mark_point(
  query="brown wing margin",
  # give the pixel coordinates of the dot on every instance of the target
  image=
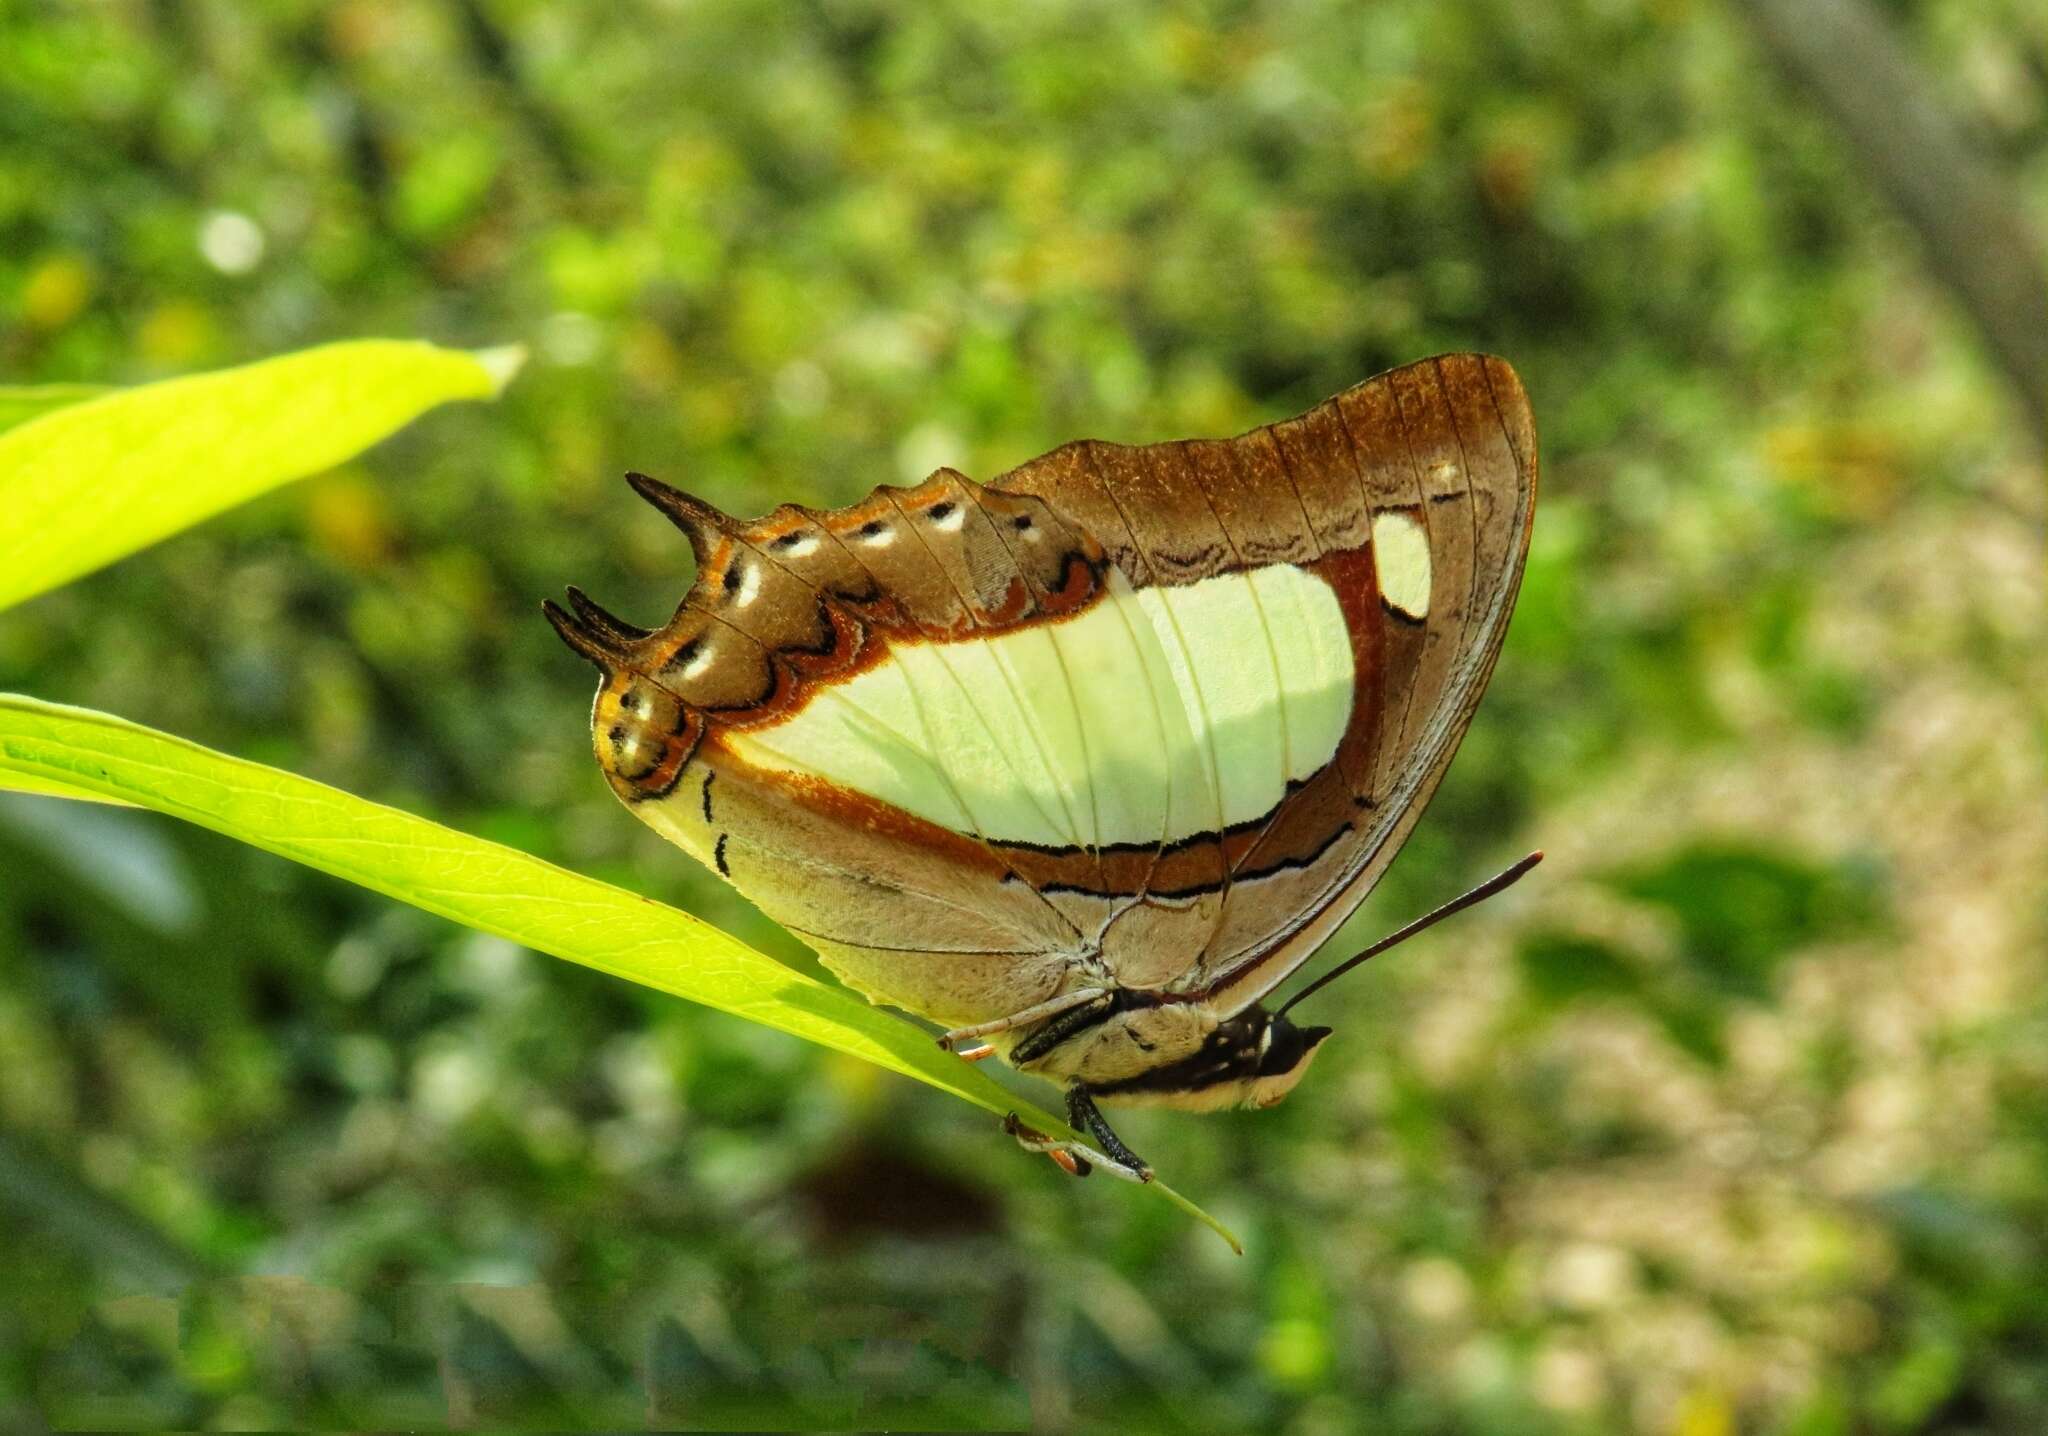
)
(1455, 414)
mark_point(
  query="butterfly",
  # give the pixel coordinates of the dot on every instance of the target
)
(1081, 763)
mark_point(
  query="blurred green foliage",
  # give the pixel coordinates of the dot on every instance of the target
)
(1731, 1118)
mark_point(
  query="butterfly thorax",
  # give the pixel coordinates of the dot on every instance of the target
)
(1146, 1048)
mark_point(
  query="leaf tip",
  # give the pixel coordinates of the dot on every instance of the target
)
(1199, 1215)
(501, 364)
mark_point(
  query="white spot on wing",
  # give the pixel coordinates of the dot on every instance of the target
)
(1400, 550)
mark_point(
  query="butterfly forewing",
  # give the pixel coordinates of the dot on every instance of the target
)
(1152, 716)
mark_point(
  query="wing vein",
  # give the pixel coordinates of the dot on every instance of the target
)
(1092, 841)
(936, 755)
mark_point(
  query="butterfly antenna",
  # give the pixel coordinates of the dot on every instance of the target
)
(1500, 882)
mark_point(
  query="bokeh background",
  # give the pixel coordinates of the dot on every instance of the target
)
(1734, 1117)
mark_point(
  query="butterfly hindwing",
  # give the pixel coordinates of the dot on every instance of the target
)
(1158, 714)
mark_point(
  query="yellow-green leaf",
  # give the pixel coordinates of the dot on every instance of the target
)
(21, 402)
(86, 482)
(52, 788)
(482, 884)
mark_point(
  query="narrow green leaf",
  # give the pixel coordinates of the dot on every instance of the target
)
(21, 402)
(482, 884)
(44, 787)
(88, 482)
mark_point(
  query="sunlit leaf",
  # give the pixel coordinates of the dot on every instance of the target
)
(87, 482)
(21, 402)
(50, 788)
(482, 884)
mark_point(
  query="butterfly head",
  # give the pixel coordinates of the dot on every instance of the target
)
(1284, 1054)
(1251, 1060)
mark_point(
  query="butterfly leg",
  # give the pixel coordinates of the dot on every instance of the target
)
(1077, 1157)
(1051, 1007)
(1082, 1113)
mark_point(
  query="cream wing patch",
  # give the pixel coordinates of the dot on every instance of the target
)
(1312, 649)
(1401, 550)
(1152, 716)
(1239, 630)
